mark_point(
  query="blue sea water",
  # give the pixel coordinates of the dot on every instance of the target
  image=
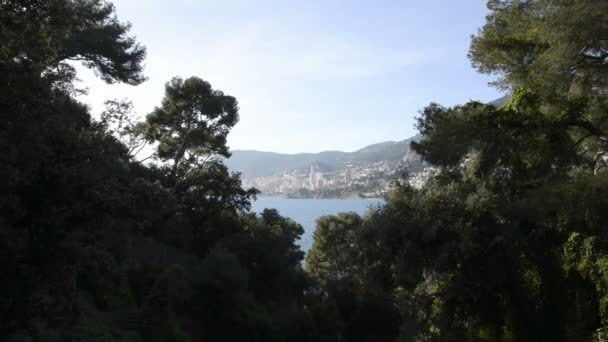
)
(306, 211)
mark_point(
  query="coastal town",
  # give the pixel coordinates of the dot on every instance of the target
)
(352, 180)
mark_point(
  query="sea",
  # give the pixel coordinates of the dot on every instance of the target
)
(306, 211)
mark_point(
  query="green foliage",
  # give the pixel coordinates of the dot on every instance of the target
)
(507, 243)
(98, 245)
(332, 255)
(554, 46)
(192, 122)
(557, 50)
(39, 36)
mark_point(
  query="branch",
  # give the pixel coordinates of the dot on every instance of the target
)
(136, 153)
(591, 128)
(148, 157)
(198, 167)
(179, 155)
(582, 139)
(588, 56)
(137, 146)
(205, 161)
(601, 58)
(599, 157)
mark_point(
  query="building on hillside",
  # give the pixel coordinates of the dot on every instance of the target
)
(311, 180)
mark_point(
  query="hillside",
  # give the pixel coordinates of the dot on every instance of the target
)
(256, 164)
(367, 172)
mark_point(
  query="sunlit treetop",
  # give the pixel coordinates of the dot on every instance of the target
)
(42, 36)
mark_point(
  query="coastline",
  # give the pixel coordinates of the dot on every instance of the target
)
(349, 198)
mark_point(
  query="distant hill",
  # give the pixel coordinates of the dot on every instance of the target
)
(254, 164)
(501, 101)
(367, 172)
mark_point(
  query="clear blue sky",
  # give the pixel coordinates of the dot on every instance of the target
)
(309, 75)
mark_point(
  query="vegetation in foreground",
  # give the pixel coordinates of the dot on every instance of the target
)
(507, 243)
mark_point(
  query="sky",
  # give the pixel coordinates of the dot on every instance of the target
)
(312, 75)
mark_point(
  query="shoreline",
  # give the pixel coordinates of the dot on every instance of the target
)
(321, 198)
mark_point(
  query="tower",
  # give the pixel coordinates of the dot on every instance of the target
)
(311, 177)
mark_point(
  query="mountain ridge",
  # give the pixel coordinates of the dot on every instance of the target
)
(254, 164)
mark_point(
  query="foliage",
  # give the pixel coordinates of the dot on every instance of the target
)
(99, 245)
(39, 36)
(506, 243)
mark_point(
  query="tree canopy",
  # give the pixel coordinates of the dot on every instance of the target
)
(41, 36)
(100, 245)
(507, 242)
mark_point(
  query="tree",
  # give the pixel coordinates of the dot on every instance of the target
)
(88, 233)
(192, 123)
(558, 51)
(507, 242)
(490, 237)
(557, 46)
(346, 303)
(39, 36)
(189, 130)
(333, 249)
